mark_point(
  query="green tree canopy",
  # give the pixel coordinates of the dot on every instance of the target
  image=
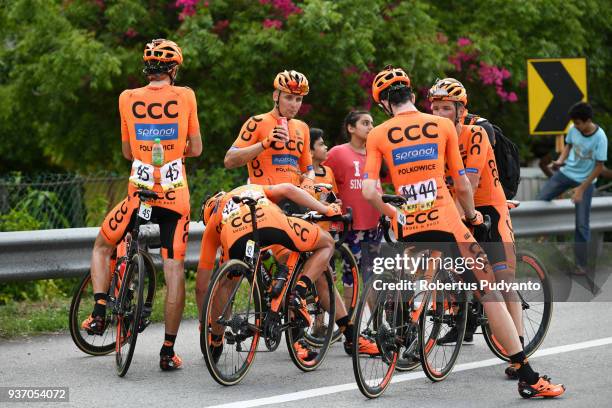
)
(64, 63)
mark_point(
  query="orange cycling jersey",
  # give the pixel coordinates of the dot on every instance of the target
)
(281, 162)
(169, 113)
(230, 226)
(415, 146)
(478, 158)
(326, 175)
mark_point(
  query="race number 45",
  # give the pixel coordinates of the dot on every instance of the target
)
(172, 175)
(142, 175)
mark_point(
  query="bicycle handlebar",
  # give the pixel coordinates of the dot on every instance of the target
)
(147, 194)
(397, 201)
(345, 219)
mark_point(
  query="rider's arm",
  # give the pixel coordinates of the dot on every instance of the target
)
(127, 151)
(125, 134)
(297, 195)
(194, 146)
(194, 138)
(463, 189)
(210, 243)
(249, 145)
(371, 174)
(306, 158)
(477, 149)
(371, 194)
(246, 147)
(239, 156)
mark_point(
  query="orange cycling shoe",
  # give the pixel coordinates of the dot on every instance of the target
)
(167, 363)
(543, 388)
(94, 325)
(303, 352)
(301, 311)
(366, 346)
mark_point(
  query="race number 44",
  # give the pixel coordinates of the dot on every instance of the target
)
(420, 196)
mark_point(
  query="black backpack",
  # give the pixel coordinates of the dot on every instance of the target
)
(506, 156)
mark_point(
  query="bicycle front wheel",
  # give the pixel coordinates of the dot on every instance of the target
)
(320, 300)
(347, 286)
(231, 323)
(380, 319)
(443, 311)
(537, 306)
(129, 310)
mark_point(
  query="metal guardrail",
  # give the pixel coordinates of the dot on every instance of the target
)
(64, 253)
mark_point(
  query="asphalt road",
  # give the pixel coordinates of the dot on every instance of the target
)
(573, 356)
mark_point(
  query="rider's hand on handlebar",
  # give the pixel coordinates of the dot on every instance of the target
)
(333, 210)
(476, 219)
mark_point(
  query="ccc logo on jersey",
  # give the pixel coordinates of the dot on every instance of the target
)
(291, 145)
(251, 126)
(118, 216)
(155, 110)
(299, 230)
(422, 218)
(239, 221)
(413, 132)
(494, 172)
(475, 141)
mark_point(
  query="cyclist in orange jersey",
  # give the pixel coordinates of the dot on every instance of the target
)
(167, 112)
(228, 225)
(275, 154)
(449, 99)
(416, 146)
(275, 146)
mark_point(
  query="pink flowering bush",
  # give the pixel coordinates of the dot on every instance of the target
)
(466, 63)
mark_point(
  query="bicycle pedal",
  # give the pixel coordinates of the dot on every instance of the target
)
(230, 338)
(144, 323)
(146, 311)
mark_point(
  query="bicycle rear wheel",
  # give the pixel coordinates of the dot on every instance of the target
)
(80, 309)
(442, 311)
(232, 310)
(383, 323)
(129, 307)
(319, 293)
(537, 306)
(342, 260)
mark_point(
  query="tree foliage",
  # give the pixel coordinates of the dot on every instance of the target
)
(64, 63)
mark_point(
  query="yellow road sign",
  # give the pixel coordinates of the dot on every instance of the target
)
(553, 86)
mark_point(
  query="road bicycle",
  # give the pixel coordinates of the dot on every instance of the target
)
(240, 309)
(406, 323)
(131, 273)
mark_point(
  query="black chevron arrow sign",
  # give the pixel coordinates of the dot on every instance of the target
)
(565, 94)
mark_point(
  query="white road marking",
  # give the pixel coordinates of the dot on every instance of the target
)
(334, 389)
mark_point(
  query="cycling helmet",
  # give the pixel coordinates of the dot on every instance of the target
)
(291, 82)
(387, 77)
(161, 55)
(210, 206)
(448, 89)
